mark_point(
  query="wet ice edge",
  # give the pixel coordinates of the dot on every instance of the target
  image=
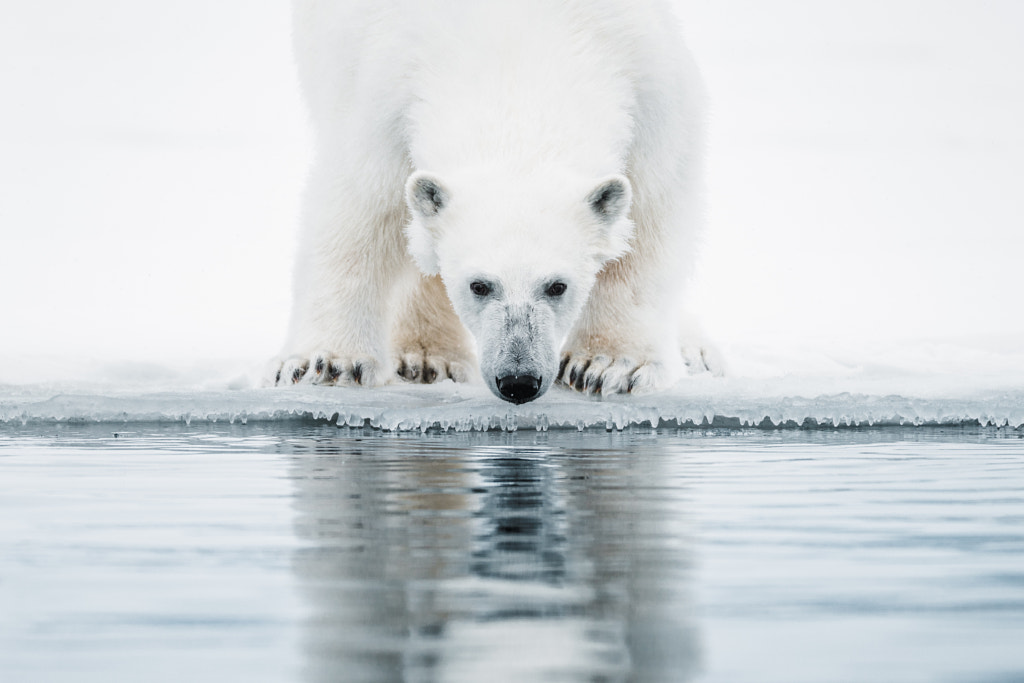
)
(468, 407)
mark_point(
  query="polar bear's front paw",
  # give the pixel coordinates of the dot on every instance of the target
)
(324, 367)
(604, 375)
(424, 367)
(703, 358)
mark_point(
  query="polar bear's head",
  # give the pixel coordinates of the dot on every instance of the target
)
(518, 260)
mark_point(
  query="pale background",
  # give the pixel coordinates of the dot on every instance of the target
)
(866, 176)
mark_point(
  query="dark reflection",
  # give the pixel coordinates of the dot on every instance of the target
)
(522, 538)
(492, 557)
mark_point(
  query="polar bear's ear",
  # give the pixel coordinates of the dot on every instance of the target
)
(609, 202)
(426, 197)
(611, 198)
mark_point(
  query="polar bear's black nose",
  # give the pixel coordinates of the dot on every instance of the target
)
(518, 388)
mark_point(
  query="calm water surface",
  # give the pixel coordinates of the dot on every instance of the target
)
(291, 552)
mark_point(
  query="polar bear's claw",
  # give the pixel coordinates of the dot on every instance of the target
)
(593, 379)
(323, 369)
(292, 370)
(361, 371)
(327, 369)
(410, 367)
(601, 375)
(419, 368)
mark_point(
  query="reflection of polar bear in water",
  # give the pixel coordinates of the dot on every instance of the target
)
(538, 159)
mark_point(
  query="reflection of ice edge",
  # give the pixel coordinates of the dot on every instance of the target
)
(441, 408)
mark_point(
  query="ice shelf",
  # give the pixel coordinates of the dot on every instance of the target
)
(447, 406)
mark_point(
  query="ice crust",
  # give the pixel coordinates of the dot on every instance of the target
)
(467, 407)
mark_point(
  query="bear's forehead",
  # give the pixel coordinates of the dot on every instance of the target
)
(516, 262)
(544, 187)
(520, 244)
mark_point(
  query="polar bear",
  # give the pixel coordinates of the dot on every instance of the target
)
(509, 187)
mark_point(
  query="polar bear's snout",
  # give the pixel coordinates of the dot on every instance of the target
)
(518, 353)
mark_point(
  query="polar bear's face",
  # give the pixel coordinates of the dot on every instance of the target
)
(518, 264)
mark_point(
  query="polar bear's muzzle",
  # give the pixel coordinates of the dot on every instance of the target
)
(518, 357)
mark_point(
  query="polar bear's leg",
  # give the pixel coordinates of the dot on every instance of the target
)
(351, 250)
(625, 340)
(430, 343)
(628, 336)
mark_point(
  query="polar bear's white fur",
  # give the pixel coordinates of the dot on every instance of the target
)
(511, 185)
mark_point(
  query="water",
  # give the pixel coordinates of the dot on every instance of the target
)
(305, 552)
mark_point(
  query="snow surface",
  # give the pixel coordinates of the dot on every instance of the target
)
(862, 261)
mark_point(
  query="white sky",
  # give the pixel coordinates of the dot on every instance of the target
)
(867, 167)
(866, 175)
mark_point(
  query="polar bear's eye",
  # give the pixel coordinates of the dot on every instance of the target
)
(480, 288)
(556, 289)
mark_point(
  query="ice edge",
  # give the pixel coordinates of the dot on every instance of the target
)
(426, 409)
